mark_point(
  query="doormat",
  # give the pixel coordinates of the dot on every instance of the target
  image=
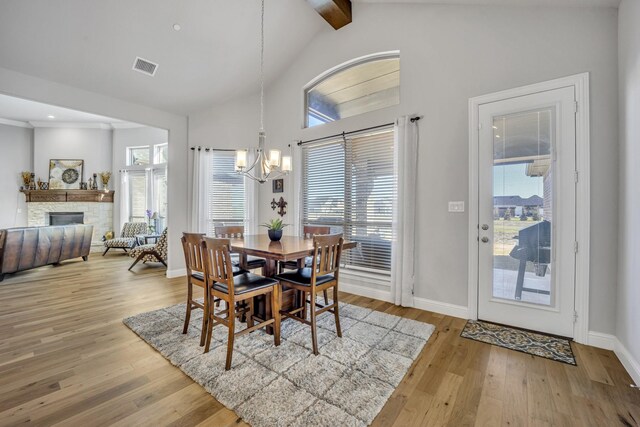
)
(536, 344)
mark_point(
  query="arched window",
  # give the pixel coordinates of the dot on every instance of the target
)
(355, 87)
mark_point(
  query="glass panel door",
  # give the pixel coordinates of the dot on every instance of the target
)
(526, 211)
(522, 206)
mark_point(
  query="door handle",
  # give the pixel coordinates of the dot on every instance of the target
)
(485, 240)
(485, 227)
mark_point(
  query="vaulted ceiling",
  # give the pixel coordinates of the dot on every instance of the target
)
(92, 44)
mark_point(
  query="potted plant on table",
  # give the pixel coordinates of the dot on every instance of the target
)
(274, 228)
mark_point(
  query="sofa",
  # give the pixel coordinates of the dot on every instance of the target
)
(24, 248)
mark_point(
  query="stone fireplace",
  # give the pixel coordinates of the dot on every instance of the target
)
(98, 214)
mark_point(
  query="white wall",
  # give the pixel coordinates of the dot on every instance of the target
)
(28, 87)
(448, 55)
(123, 138)
(94, 146)
(628, 319)
(16, 149)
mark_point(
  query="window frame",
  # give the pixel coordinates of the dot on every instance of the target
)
(149, 171)
(349, 199)
(211, 221)
(394, 54)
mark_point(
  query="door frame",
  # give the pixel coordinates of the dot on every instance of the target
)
(580, 82)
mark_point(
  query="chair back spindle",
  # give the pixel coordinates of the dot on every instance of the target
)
(193, 254)
(327, 251)
(217, 262)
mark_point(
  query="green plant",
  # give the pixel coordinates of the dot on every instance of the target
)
(274, 224)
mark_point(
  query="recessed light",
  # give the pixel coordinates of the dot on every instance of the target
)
(177, 27)
(497, 136)
(51, 116)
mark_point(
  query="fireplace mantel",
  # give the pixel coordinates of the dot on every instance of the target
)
(68, 196)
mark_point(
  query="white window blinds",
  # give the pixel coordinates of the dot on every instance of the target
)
(351, 187)
(226, 192)
(138, 193)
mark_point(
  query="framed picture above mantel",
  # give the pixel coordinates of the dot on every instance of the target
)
(65, 174)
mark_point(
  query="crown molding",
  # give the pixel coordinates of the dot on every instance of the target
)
(73, 125)
(126, 125)
(16, 123)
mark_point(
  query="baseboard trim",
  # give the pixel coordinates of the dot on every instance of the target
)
(176, 273)
(600, 340)
(420, 303)
(628, 361)
(365, 291)
(442, 307)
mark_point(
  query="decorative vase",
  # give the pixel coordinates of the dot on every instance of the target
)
(26, 179)
(275, 235)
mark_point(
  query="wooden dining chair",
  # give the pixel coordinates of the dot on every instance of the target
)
(308, 231)
(237, 232)
(321, 276)
(232, 289)
(193, 258)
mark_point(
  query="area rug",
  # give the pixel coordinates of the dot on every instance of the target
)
(346, 385)
(546, 346)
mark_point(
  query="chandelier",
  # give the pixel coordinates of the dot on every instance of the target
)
(263, 167)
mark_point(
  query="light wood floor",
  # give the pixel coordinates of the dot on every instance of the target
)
(66, 358)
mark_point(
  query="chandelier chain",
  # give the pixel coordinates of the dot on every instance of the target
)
(262, 68)
(263, 167)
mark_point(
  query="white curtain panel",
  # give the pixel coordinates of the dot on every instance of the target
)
(202, 160)
(404, 212)
(251, 195)
(124, 200)
(297, 189)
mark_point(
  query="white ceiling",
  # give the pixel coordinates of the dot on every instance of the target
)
(37, 114)
(92, 44)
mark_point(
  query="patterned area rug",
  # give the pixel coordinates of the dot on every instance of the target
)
(346, 385)
(546, 346)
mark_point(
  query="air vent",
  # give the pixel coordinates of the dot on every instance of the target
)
(144, 66)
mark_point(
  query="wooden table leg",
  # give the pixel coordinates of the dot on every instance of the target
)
(263, 309)
(270, 269)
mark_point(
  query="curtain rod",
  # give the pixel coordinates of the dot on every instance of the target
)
(211, 149)
(413, 119)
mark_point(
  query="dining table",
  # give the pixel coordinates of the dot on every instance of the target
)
(288, 248)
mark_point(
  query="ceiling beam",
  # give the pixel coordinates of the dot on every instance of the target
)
(336, 12)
